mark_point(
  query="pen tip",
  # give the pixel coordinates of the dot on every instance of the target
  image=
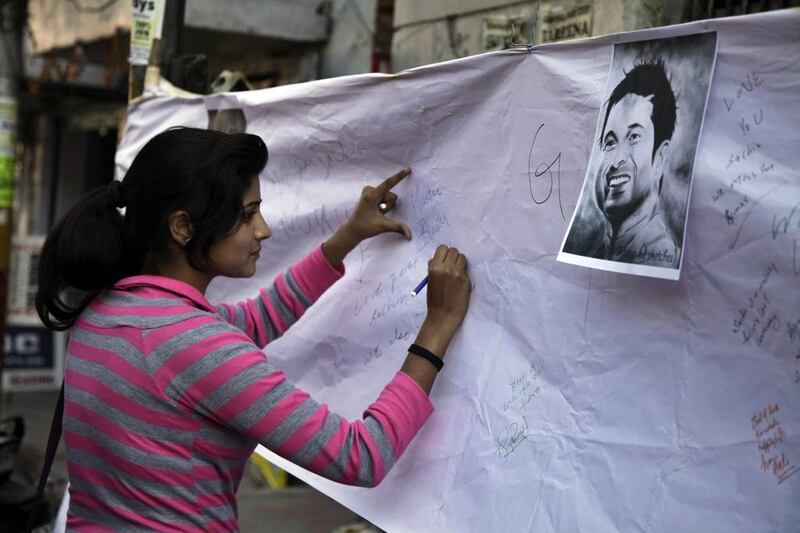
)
(413, 293)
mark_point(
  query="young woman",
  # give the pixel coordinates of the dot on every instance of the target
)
(166, 395)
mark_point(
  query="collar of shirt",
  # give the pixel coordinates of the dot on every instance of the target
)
(170, 285)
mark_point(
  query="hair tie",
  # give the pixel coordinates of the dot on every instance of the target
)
(115, 195)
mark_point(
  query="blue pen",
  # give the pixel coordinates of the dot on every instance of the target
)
(418, 288)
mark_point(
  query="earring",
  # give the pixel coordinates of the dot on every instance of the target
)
(187, 239)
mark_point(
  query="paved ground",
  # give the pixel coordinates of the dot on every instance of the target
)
(292, 510)
(296, 509)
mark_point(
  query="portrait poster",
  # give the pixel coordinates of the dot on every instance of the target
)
(632, 212)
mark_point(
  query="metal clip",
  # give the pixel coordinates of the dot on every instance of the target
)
(534, 20)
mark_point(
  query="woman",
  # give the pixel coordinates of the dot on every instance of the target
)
(166, 396)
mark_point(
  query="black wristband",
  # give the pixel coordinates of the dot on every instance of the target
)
(425, 354)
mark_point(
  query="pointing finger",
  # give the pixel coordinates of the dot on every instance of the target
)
(387, 184)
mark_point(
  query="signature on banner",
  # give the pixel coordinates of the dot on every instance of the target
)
(757, 317)
(524, 389)
(769, 439)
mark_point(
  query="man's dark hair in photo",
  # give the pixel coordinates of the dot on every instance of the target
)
(649, 79)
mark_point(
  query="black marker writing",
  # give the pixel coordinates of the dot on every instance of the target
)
(748, 85)
(510, 437)
(546, 170)
(753, 205)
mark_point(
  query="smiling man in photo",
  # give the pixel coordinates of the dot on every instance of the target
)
(635, 140)
(631, 216)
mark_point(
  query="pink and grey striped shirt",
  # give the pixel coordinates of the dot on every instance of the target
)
(167, 396)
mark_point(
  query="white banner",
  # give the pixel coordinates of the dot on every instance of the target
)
(572, 399)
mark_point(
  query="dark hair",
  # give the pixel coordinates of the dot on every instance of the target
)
(648, 79)
(205, 173)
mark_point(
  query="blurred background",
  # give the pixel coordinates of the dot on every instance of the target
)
(68, 70)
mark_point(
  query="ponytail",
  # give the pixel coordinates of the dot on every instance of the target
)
(83, 254)
(204, 173)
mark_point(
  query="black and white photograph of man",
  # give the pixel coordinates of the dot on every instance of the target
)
(632, 211)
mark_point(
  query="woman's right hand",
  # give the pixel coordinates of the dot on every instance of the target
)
(448, 298)
(449, 289)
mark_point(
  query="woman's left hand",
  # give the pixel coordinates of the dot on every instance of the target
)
(369, 216)
(368, 219)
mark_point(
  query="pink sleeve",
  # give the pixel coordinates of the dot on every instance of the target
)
(267, 317)
(211, 368)
(401, 409)
(314, 274)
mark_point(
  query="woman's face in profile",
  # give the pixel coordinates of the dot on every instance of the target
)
(236, 255)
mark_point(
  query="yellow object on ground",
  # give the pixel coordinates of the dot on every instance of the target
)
(276, 477)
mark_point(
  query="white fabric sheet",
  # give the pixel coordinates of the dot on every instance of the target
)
(572, 399)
